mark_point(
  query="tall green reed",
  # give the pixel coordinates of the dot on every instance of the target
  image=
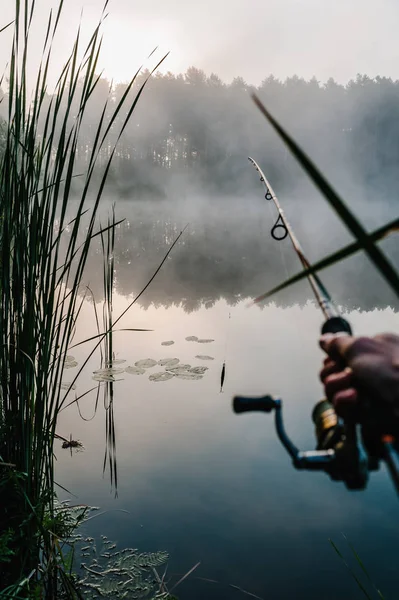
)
(108, 247)
(364, 241)
(40, 282)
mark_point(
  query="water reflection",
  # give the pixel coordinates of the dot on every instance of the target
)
(227, 253)
(209, 486)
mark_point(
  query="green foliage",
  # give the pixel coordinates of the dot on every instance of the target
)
(332, 259)
(355, 576)
(41, 275)
(5, 550)
(364, 241)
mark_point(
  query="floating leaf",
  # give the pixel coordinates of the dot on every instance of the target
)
(103, 377)
(146, 363)
(65, 386)
(189, 376)
(168, 343)
(115, 361)
(178, 370)
(205, 341)
(108, 371)
(162, 376)
(192, 338)
(70, 358)
(170, 362)
(70, 364)
(198, 370)
(134, 370)
(204, 357)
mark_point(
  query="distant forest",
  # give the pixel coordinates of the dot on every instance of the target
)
(198, 124)
(188, 141)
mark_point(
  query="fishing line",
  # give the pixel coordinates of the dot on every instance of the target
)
(322, 296)
(282, 236)
(345, 451)
(269, 197)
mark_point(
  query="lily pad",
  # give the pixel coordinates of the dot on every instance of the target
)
(205, 341)
(162, 376)
(145, 363)
(198, 370)
(179, 369)
(168, 343)
(102, 377)
(192, 338)
(70, 364)
(135, 371)
(189, 376)
(204, 357)
(108, 371)
(115, 361)
(170, 362)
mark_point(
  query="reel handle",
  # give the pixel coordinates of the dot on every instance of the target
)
(243, 404)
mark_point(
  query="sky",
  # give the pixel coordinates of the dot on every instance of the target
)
(248, 38)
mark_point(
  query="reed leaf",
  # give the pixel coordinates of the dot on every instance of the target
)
(42, 266)
(332, 259)
(353, 574)
(350, 221)
(362, 567)
(6, 26)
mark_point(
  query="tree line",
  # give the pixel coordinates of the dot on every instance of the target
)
(197, 130)
(194, 123)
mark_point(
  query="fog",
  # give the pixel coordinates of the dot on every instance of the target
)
(182, 158)
(236, 38)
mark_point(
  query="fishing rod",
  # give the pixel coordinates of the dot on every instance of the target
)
(323, 298)
(346, 450)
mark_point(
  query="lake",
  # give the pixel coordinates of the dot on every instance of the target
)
(198, 481)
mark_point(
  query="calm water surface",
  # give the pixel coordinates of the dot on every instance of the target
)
(213, 487)
(198, 481)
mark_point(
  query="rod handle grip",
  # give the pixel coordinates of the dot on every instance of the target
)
(336, 325)
(243, 404)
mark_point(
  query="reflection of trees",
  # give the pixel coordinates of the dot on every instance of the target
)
(216, 260)
(191, 134)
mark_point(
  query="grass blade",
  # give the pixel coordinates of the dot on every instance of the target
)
(330, 260)
(373, 252)
(355, 577)
(363, 568)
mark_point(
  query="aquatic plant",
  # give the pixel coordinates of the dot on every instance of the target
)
(364, 587)
(40, 278)
(108, 572)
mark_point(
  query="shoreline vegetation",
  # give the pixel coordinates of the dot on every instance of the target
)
(41, 282)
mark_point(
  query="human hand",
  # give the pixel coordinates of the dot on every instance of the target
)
(361, 367)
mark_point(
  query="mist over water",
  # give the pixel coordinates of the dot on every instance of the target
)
(227, 252)
(182, 160)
